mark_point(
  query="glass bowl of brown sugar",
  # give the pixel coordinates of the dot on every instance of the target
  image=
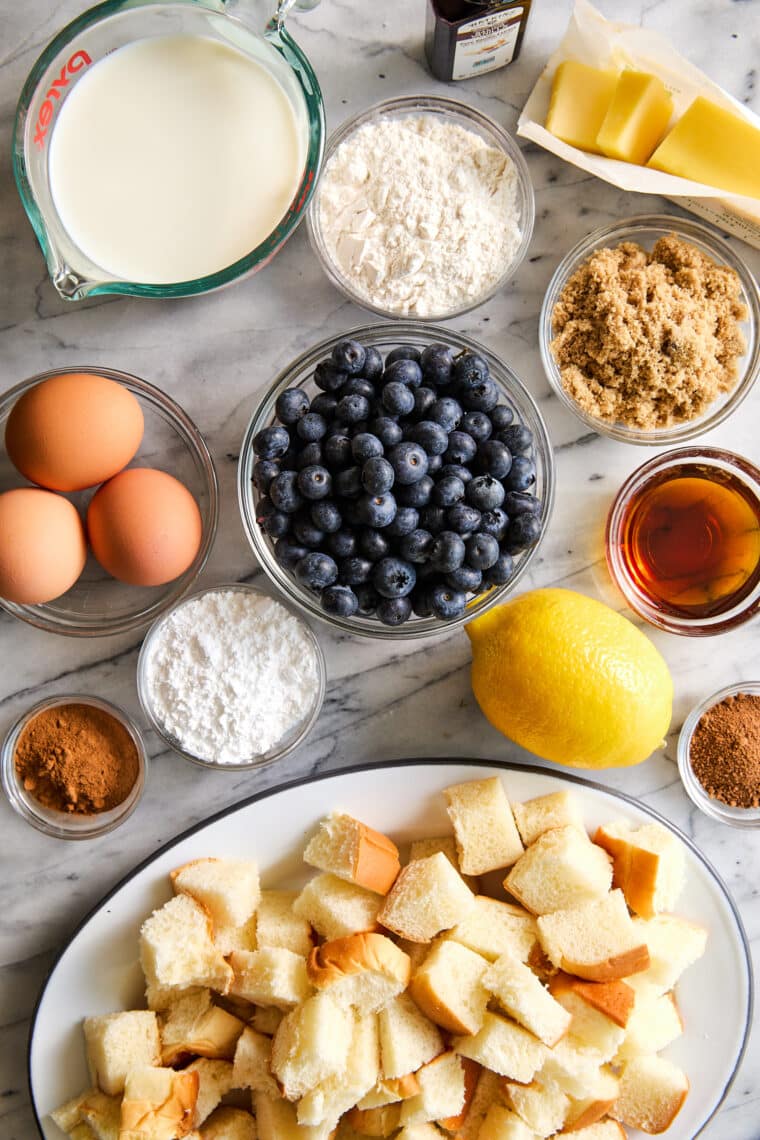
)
(73, 766)
(719, 755)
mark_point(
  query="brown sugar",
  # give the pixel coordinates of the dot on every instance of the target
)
(649, 339)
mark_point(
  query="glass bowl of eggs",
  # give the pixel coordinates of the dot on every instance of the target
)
(108, 501)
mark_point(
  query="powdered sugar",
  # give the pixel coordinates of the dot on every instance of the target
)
(419, 214)
(230, 674)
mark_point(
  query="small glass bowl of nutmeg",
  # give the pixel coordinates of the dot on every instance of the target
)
(73, 766)
(719, 755)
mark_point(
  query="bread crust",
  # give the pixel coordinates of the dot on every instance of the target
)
(376, 861)
(635, 870)
(356, 954)
(611, 969)
(167, 1121)
(614, 999)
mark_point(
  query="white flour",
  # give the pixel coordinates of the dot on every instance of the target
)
(420, 215)
(230, 674)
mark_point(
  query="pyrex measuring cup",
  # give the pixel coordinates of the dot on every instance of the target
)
(112, 25)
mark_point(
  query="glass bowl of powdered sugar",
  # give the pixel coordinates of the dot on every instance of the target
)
(231, 678)
(424, 208)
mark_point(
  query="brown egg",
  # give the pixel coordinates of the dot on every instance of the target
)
(42, 545)
(144, 526)
(73, 430)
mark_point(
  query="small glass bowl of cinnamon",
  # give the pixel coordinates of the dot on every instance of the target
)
(73, 766)
(719, 755)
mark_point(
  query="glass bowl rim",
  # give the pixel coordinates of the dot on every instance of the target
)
(26, 810)
(192, 439)
(409, 331)
(453, 109)
(626, 229)
(275, 753)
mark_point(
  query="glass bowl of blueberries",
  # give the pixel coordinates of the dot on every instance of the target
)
(396, 481)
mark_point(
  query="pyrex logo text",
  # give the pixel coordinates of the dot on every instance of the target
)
(77, 61)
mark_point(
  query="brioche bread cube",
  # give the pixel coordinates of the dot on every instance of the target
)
(352, 851)
(488, 1091)
(504, 1047)
(363, 970)
(229, 1124)
(674, 944)
(311, 1044)
(381, 1120)
(390, 1090)
(428, 896)
(336, 1094)
(214, 1082)
(591, 1023)
(251, 1064)
(93, 1113)
(276, 1120)
(587, 1110)
(654, 1024)
(613, 999)
(493, 928)
(652, 1091)
(118, 1042)
(158, 1104)
(408, 1039)
(472, 1071)
(596, 940)
(484, 827)
(228, 888)
(272, 976)
(543, 1107)
(82, 1132)
(277, 924)
(424, 1131)
(557, 809)
(520, 994)
(229, 938)
(446, 844)
(574, 1067)
(162, 998)
(603, 1130)
(448, 987)
(336, 908)
(195, 1027)
(649, 864)
(442, 1091)
(266, 1019)
(562, 869)
(500, 1123)
(177, 947)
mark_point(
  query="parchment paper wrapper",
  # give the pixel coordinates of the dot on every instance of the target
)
(602, 43)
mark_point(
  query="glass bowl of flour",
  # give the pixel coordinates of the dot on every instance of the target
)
(231, 678)
(424, 208)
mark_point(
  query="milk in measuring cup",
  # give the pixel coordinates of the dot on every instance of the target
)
(173, 157)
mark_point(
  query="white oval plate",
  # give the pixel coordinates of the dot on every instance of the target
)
(98, 971)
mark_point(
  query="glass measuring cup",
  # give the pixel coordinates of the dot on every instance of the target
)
(112, 25)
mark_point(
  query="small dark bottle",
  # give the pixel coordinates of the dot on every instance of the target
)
(470, 37)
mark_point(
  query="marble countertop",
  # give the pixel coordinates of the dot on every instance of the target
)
(214, 354)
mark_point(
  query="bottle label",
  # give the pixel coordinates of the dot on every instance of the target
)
(486, 43)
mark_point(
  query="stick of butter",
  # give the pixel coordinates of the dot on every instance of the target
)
(712, 145)
(579, 101)
(636, 119)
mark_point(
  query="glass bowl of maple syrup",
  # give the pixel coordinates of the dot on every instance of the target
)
(683, 541)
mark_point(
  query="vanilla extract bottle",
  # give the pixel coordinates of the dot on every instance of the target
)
(464, 38)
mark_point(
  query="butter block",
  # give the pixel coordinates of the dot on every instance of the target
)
(636, 119)
(712, 145)
(579, 101)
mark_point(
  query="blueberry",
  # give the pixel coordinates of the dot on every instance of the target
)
(424, 398)
(264, 471)
(358, 386)
(398, 399)
(352, 409)
(517, 437)
(367, 598)
(522, 532)
(501, 571)
(291, 405)
(386, 430)
(501, 416)
(447, 603)
(306, 532)
(372, 544)
(285, 493)
(348, 482)
(394, 578)
(328, 377)
(289, 459)
(495, 523)
(334, 428)
(431, 436)
(415, 494)
(365, 445)
(447, 552)
(377, 475)
(339, 601)
(326, 515)
(483, 397)
(349, 355)
(312, 453)
(437, 361)
(337, 451)
(462, 448)
(376, 510)
(314, 482)
(433, 519)
(404, 522)
(351, 512)
(421, 603)
(416, 546)
(271, 442)
(403, 352)
(457, 469)
(484, 492)
(342, 544)
(462, 518)
(466, 578)
(447, 491)
(409, 462)
(406, 372)
(447, 412)
(521, 503)
(478, 425)
(469, 370)
(352, 571)
(316, 570)
(394, 611)
(288, 552)
(273, 522)
(522, 474)
(311, 427)
(482, 551)
(494, 458)
(373, 364)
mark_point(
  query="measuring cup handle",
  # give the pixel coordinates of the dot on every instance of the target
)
(282, 8)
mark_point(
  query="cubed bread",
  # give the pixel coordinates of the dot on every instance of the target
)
(227, 888)
(424, 1131)
(195, 1027)
(272, 976)
(336, 1094)
(214, 1082)
(382, 1120)
(649, 864)
(428, 896)
(442, 1091)
(575, 1067)
(448, 987)
(520, 994)
(652, 1091)
(158, 1104)
(229, 1124)
(585, 1111)
(336, 908)
(493, 928)
(543, 1107)
(266, 1019)
(118, 1042)
(500, 1123)
(355, 852)
(365, 971)
(590, 1025)
(277, 924)
(562, 869)
(82, 1132)
(484, 827)
(654, 1023)
(390, 1090)
(177, 947)
(408, 1039)
(229, 938)
(276, 1120)
(603, 1130)
(162, 998)
(557, 809)
(446, 844)
(311, 1044)
(472, 1071)
(488, 1091)
(93, 1111)
(613, 999)
(596, 940)
(251, 1064)
(504, 1047)
(674, 944)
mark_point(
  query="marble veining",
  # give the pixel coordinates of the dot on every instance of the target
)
(214, 354)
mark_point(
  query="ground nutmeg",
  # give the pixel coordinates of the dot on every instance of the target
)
(725, 751)
(76, 758)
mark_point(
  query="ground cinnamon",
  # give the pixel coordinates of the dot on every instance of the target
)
(76, 758)
(725, 751)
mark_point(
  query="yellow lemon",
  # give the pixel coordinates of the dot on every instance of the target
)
(571, 680)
